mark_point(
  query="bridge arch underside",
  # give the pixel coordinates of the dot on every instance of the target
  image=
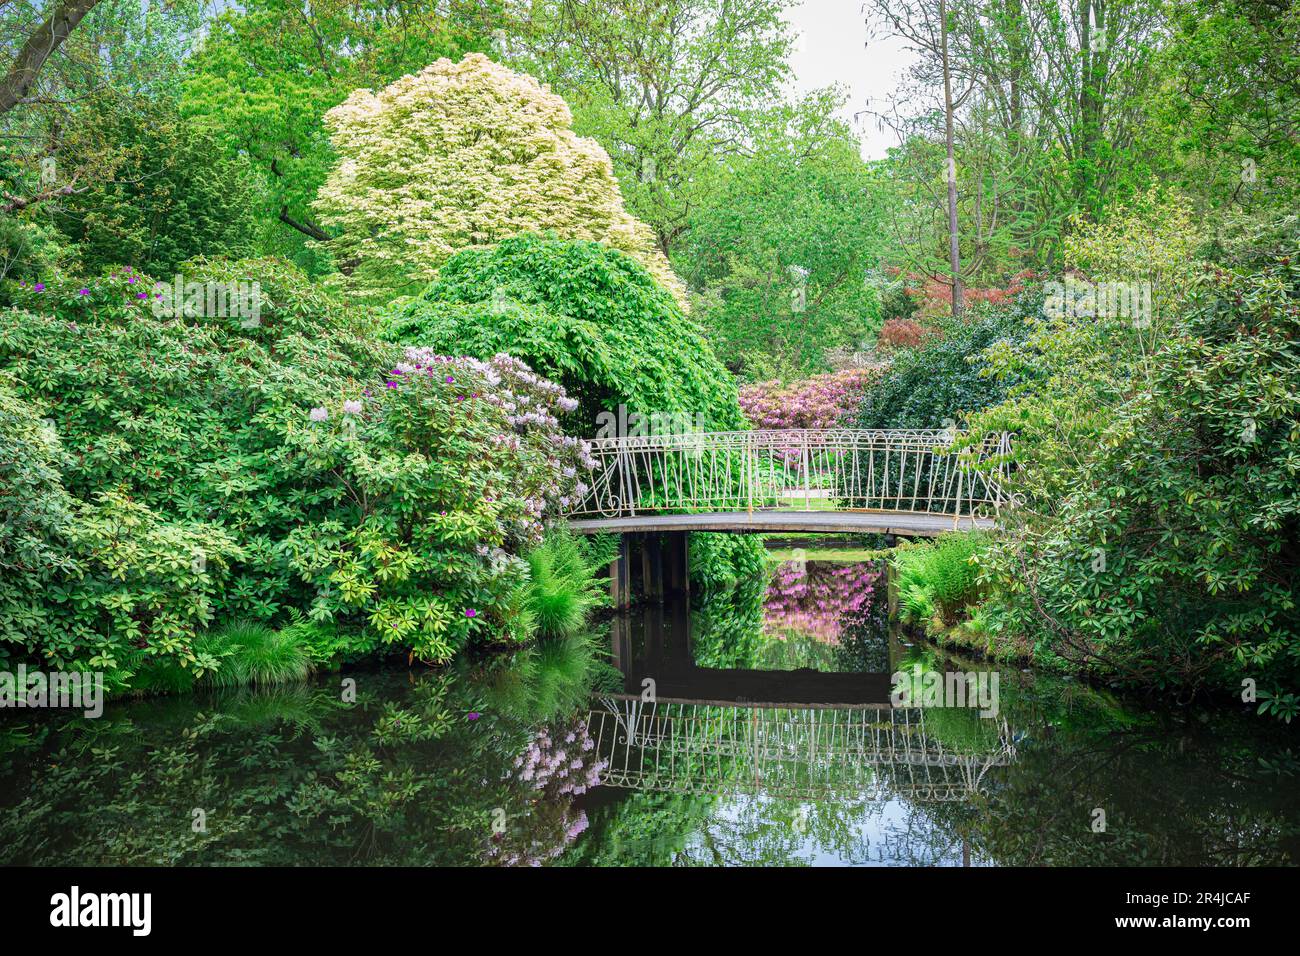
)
(903, 524)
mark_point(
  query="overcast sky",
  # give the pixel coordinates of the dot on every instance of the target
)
(831, 49)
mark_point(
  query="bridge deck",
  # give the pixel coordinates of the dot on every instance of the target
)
(881, 522)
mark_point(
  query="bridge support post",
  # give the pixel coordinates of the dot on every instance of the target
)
(677, 562)
(620, 575)
(652, 567)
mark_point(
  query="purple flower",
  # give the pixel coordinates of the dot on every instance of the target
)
(83, 292)
(474, 715)
(39, 287)
(470, 612)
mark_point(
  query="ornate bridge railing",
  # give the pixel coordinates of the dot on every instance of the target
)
(839, 469)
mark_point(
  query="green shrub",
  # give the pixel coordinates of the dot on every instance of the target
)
(169, 194)
(163, 677)
(244, 470)
(563, 586)
(953, 573)
(914, 601)
(450, 479)
(327, 645)
(940, 578)
(928, 386)
(36, 514)
(588, 317)
(190, 416)
(1170, 556)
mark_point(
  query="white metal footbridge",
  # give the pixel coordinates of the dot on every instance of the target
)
(908, 482)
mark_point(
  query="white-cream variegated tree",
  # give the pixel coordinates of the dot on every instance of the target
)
(464, 155)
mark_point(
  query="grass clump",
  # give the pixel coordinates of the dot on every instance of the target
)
(255, 655)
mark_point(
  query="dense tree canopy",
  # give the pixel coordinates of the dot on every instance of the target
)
(781, 253)
(666, 86)
(464, 155)
(268, 71)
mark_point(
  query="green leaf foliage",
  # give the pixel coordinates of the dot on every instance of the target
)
(212, 467)
(946, 377)
(581, 314)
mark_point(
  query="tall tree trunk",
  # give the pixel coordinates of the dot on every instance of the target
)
(1095, 58)
(954, 249)
(38, 48)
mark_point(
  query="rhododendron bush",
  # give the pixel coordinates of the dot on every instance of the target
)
(822, 401)
(450, 468)
(465, 155)
(200, 470)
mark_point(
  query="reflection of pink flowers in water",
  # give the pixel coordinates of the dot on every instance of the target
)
(554, 768)
(813, 598)
(547, 763)
(579, 825)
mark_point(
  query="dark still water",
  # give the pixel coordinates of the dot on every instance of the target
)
(750, 727)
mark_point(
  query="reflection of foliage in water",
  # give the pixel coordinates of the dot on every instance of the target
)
(557, 763)
(415, 772)
(727, 625)
(864, 639)
(1175, 792)
(418, 770)
(826, 616)
(547, 680)
(823, 616)
(659, 829)
(1177, 788)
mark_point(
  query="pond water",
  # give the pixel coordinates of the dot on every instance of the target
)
(749, 726)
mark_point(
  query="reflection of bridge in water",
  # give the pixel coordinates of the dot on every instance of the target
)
(800, 734)
(790, 752)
